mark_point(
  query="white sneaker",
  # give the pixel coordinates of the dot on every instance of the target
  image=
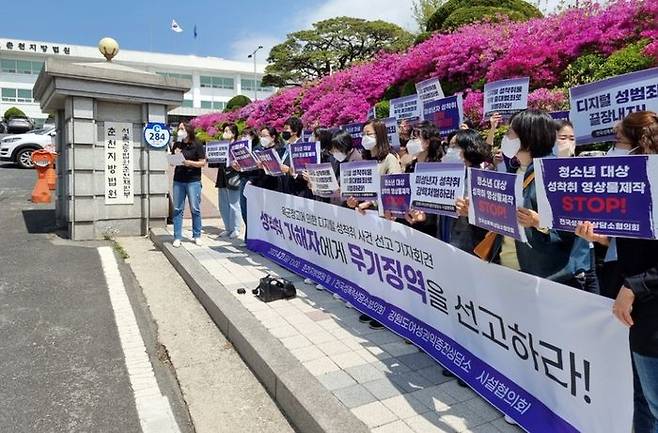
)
(176, 243)
(222, 234)
(348, 305)
(198, 241)
(319, 287)
(308, 281)
(337, 296)
(509, 420)
(234, 235)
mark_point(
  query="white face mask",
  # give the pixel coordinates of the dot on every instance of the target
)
(453, 155)
(227, 135)
(510, 146)
(566, 152)
(182, 134)
(266, 142)
(368, 142)
(615, 151)
(414, 147)
(339, 156)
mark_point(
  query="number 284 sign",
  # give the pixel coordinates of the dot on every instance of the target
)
(157, 135)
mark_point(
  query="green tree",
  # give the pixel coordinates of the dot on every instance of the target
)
(422, 10)
(331, 45)
(467, 11)
(237, 102)
(13, 112)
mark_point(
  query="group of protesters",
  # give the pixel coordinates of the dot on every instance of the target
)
(623, 269)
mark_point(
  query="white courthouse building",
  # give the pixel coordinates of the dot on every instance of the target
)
(214, 81)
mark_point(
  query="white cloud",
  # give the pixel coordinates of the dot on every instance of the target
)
(241, 48)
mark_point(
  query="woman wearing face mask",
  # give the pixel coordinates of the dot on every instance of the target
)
(187, 182)
(424, 146)
(531, 135)
(376, 147)
(269, 139)
(342, 149)
(228, 186)
(636, 303)
(565, 145)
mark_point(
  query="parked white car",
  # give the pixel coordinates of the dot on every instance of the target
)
(18, 148)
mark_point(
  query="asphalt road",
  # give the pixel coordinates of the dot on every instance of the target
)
(62, 366)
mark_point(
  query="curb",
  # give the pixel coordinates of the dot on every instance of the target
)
(309, 406)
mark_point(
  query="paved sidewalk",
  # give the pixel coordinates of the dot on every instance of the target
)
(386, 383)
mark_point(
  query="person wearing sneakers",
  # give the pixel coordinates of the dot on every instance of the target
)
(187, 182)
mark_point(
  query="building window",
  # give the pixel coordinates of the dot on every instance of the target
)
(206, 104)
(188, 103)
(20, 66)
(8, 66)
(219, 105)
(8, 95)
(248, 85)
(217, 82)
(24, 95)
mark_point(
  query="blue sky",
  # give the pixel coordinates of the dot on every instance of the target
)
(229, 29)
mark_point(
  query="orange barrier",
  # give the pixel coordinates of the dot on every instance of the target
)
(46, 176)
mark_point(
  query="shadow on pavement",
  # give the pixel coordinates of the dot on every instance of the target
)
(40, 221)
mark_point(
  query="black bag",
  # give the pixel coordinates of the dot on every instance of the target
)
(273, 288)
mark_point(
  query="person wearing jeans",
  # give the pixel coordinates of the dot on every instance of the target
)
(187, 182)
(228, 188)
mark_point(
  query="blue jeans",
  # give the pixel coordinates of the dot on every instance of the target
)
(645, 419)
(229, 208)
(191, 190)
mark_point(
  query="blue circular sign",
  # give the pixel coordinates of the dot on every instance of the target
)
(157, 134)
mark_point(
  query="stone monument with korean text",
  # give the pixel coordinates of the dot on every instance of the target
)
(109, 181)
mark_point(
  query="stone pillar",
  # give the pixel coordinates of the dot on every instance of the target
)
(84, 96)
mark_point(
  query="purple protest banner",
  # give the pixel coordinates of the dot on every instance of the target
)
(235, 145)
(396, 193)
(322, 179)
(270, 160)
(356, 132)
(596, 107)
(436, 186)
(303, 153)
(615, 193)
(405, 107)
(243, 157)
(392, 132)
(494, 198)
(445, 113)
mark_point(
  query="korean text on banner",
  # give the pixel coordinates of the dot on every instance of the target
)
(436, 186)
(494, 198)
(492, 326)
(506, 96)
(395, 195)
(235, 145)
(446, 114)
(119, 188)
(596, 107)
(356, 132)
(303, 153)
(429, 90)
(322, 179)
(244, 158)
(406, 107)
(216, 152)
(270, 160)
(359, 179)
(616, 193)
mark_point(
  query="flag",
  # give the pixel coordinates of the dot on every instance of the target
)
(175, 27)
(195, 32)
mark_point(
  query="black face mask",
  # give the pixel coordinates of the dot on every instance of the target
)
(286, 135)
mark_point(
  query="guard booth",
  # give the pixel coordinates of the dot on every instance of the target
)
(109, 181)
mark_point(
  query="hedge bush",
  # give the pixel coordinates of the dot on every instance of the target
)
(13, 112)
(237, 102)
(524, 9)
(470, 15)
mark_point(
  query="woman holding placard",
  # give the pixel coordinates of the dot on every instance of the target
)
(636, 305)
(228, 187)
